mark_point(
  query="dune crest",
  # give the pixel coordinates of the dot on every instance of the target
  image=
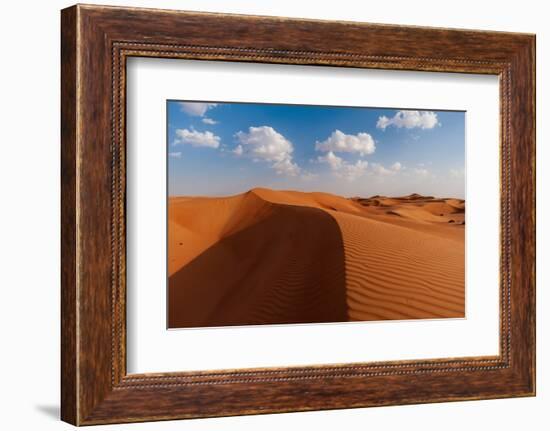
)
(266, 257)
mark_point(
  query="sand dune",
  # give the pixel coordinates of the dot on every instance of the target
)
(290, 257)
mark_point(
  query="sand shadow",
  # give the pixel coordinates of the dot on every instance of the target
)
(288, 267)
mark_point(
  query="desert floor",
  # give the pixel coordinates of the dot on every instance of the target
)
(274, 257)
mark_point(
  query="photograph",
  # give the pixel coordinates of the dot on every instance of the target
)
(301, 214)
(276, 210)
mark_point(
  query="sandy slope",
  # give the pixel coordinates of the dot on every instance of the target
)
(290, 257)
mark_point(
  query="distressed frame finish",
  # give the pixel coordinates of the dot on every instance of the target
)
(95, 42)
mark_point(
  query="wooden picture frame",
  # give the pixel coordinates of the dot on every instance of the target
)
(95, 43)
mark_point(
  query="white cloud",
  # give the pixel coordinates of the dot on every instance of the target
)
(343, 169)
(353, 171)
(196, 139)
(175, 155)
(396, 167)
(332, 160)
(421, 172)
(286, 167)
(196, 109)
(238, 150)
(409, 120)
(379, 169)
(266, 144)
(210, 121)
(338, 141)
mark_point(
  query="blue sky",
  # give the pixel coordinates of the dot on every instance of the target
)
(218, 149)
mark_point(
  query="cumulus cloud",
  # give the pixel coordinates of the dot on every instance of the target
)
(396, 167)
(196, 139)
(332, 160)
(409, 120)
(210, 121)
(175, 155)
(338, 141)
(421, 172)
(353, 171)
(266, 144)
(238, 150)
(380, 169)
(196, 109)
(377, 168)
(343, 169)
(286, 167)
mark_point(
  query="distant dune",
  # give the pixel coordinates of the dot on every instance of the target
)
(273, 257)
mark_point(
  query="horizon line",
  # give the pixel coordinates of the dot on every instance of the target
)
(375, 196)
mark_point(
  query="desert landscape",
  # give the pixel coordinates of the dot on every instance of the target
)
(280, 257)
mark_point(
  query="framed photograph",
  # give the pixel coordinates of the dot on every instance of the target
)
(264, 214)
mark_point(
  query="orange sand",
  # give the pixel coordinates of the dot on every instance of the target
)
(267, 257)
